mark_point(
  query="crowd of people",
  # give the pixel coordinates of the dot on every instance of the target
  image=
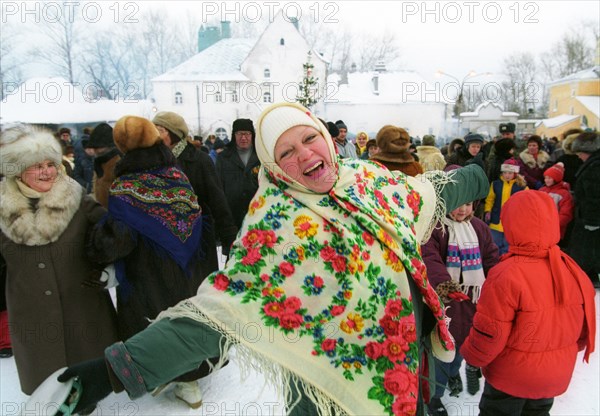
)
(390, 260)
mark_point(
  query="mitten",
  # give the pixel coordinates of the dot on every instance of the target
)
(445, 288)
(473, 376)
(94, 379)
(95, 280)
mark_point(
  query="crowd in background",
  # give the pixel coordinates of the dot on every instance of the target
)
(156, 203)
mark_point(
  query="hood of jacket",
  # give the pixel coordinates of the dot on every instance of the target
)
(530, 221)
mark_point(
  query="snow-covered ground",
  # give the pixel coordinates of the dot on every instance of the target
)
(226, 394)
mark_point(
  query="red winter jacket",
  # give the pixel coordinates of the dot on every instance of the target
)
(561, 194)
(536, 309)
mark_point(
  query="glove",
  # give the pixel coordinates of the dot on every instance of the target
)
(458, 296)
(473, 376)
(445, 288)
(487, 217)
(94, 379)
(95, 280)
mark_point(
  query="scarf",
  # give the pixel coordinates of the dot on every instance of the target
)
(160, 205)
(463, 260)
(316, 289)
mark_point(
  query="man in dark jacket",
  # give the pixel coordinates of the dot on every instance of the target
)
(106, 158)
(585, 238)
(237, 168)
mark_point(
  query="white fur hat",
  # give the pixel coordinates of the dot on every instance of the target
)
(24, 146)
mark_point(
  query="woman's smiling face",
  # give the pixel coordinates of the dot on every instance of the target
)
(302, 153)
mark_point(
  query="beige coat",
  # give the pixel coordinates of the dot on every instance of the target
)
(431, 158)
(54, 321)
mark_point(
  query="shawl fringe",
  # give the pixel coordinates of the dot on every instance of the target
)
(439, 180)
(282, 380)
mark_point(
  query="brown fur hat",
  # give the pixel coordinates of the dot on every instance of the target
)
(393, 143)
(132, 132)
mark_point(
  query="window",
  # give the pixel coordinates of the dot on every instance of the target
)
(234, 96)
(572, 92)
(178, 98)
(218, 97)
(555, 105)
(267, 73)
(572, 111)
(267, 97)
(282, 41)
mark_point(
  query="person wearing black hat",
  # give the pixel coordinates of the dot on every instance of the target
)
(471, 148)
(83, 172)
(503, 149)
(237, 168)
(584, 245)
(106, 156)
(345, 148)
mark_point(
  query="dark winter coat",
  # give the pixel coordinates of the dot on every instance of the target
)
(239, 182)
(83, 172)
(585, 242)
(530, 322)
(200, 170)
(434, 255)
(54, 320)
(572, 164)
(157, 282)
(460, 157)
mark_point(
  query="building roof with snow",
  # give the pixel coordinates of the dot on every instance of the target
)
(383, 87)
(591, 102)
(224, 60)
(558, 120)
(491, 105)
(591, 74)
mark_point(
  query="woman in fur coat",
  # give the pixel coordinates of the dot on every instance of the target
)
(533, 162)
(55, 318)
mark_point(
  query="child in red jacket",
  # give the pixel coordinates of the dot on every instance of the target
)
(560, 191)
(535, 313)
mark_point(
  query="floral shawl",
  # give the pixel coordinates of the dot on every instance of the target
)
(316, 289)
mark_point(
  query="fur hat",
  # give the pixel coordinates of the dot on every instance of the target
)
(64, 130)
(472, 138)
(510, 165)
(507, 128)
(280, 119)
(341, 125)
(333, 129)
(556, 172)
(393, 143)
(428, 140)
(24, 146)
(132, 132)
(102, 136)
(503, 146)
(172, 122)
(588, 142)
(243, 124)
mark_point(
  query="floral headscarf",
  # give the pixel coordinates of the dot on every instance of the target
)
(316, 289)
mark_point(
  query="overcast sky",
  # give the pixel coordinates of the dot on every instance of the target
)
(453, 36)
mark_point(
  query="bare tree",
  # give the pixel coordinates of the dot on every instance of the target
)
(10, 60)
(383, 47)
(62, 30)
(521, 89)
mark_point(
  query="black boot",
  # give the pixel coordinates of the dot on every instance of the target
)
(473, 376)
(6, 353)
(455, 385)
(435, 407)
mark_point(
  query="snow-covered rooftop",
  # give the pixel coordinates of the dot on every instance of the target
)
(219, 62)
(558, 120)
(592, 73)
(392, 88)
(485, 104)
(591, 102)
(57, 101)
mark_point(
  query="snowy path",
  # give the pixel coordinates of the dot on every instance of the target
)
(226, 394)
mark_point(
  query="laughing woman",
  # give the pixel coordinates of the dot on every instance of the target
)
(328, 265)
(55, 320)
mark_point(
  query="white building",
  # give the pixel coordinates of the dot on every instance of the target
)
(237, 78)
(486, 119)
(370, 100)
